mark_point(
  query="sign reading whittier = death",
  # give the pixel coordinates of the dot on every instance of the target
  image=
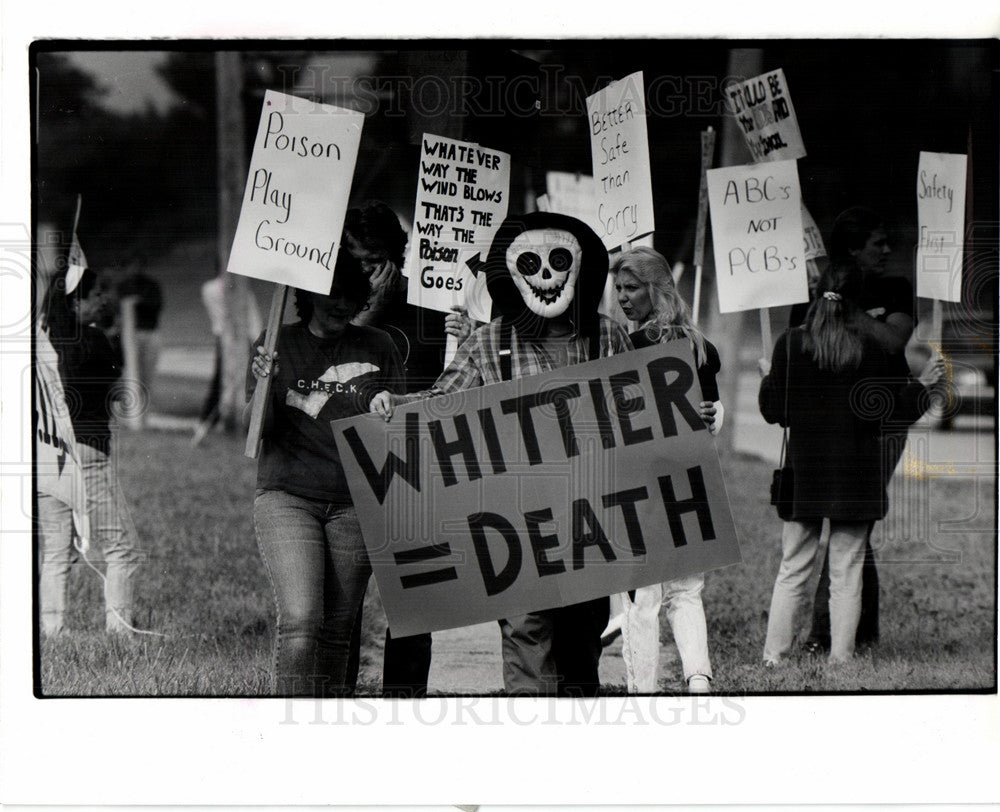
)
(541, 492)
(763, 109)
(941, 218)
(619, 147)
(756, 214)
(296, 193)
(462, 193)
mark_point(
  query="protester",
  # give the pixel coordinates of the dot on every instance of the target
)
(323, 368)
(859, 236)
(835, 388)
(648, 296)
(89, 370)
(375, 238)
(545, 274)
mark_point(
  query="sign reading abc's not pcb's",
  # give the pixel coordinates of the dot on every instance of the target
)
(296, 193)
(757, 235)
(541, 492)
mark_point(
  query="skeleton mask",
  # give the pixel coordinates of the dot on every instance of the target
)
(544, 264)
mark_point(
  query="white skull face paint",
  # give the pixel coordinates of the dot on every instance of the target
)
(544, 264)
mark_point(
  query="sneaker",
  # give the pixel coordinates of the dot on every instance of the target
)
(699, 684)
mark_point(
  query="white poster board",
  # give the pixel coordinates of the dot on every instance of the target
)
(811, 236)
(462, 193)
(296, 193)
(764, 112)
(573, 194)
(941, 218)
(756, 214)
(619, 146)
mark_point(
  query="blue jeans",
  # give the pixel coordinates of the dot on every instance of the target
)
(319, 571)
(801, 557)
(109, 527)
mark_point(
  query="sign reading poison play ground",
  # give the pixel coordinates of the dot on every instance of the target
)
(542, 492)
(296, 194)
(757, 235)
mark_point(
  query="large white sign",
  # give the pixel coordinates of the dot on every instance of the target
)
(941, 217)
(573, 194)
(619, 146)
(756, 215)
(296, 193)
(763, 109)
(462, 193)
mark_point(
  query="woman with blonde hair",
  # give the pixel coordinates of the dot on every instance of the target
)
(648, 296)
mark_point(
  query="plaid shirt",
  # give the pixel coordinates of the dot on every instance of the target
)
(477, 361)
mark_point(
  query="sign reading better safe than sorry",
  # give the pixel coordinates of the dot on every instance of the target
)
(541, 492)
(619, 147)
(941, 217)
(757, 235)
(462, 193)
(296, 193)
(763, 109)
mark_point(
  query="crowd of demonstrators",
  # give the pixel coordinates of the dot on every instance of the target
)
(363, 348)
(825, 384)
(553, 652)
(72, 307)
(323, 368)
(648, 296)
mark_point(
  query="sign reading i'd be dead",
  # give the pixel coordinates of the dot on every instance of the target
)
(757, 235)
(763, 109)
(296, 193)
(539, 492)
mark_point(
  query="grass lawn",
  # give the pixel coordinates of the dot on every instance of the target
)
(204, 588)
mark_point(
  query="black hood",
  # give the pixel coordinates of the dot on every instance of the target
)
(507, 301)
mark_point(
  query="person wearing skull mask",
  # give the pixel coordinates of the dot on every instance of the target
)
(545, 273)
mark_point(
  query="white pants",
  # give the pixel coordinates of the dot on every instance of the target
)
(641, 631)
(800, 560)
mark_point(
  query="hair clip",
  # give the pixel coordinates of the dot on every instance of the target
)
(833, 297)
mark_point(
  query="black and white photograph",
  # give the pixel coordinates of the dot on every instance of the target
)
(526, 391)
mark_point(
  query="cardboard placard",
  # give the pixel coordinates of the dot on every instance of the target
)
(541, 492)
(764, 112)
(756, 214)
(572, 194)
(619, 145)
(811, 236)
(462, 194)
(296, 193)
(941, 218)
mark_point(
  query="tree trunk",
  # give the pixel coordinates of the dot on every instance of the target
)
(231, 178)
